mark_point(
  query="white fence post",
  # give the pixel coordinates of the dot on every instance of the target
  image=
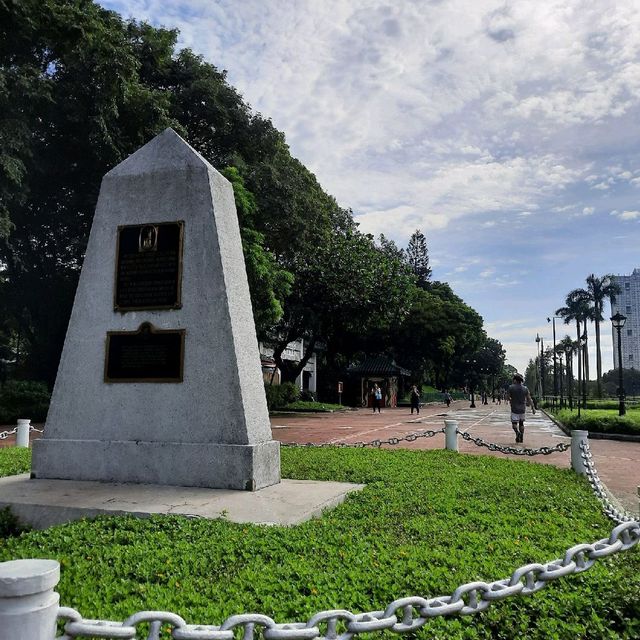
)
(28, 602)
(22, 434)
(451, 435)
(577, 461)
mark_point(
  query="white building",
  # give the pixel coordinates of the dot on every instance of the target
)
(628, 304)
(294, 351)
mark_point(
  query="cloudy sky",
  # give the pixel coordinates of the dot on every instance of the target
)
(507, 131)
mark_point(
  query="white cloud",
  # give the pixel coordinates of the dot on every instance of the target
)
(626, 215)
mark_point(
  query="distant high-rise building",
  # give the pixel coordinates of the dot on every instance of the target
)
(628, 304)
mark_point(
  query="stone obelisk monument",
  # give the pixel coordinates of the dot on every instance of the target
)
(160, 380)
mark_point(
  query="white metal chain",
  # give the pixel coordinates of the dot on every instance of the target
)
(518, 451)
(400, 616)
(411, 437)
(598, 488)
(5, 434)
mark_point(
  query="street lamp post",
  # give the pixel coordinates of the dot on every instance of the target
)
(569, 364)
(472, 366)
(618, 322)
(561, 389)
(552, 319)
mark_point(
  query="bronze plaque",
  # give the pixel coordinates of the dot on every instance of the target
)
(149, 267)
(145, 355)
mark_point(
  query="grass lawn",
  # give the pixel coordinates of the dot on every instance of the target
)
(601, 420)
(426, 523)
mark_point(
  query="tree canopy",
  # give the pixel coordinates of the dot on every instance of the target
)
(80, 90)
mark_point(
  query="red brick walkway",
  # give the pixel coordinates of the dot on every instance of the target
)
(618, 463)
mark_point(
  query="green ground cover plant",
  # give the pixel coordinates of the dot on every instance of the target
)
(601, 420)
(302, 405)
(425, 523)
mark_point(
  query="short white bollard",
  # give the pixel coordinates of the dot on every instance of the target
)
(577, 461)
(28, 602)
(22, 434)
(451, 435)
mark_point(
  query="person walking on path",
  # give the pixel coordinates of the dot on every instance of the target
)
(447, 398)
(377, 398)
(519, 397)
(415, 400)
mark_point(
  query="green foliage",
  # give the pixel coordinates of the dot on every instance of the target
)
(269, 283)
(14, 460)
(425, 523)
(417, 257)
(601, 420)
(280, 395)
(316, 407)
(23, 399)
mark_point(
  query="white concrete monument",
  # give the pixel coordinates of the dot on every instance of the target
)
(160, 380)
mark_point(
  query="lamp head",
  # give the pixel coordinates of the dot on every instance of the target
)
(618, 320)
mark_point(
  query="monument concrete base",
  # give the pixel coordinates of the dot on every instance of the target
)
(45, 503)
(201, 464)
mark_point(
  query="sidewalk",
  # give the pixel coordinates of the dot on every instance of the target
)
(618, 463)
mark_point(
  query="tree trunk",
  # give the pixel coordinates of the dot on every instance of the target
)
(598, 356)
(586, 357)
(579, 361)
(289, 369)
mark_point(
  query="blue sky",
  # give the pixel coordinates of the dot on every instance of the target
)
(507, 131)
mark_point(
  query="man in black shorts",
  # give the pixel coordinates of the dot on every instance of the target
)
(519, 397)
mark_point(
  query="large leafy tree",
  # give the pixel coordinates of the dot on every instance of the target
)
(344, 287)
(437, 335)
(79, 91)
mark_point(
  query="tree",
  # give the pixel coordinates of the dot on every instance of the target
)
(598, 289)
(417, 257)
(576, 310)
(346, 285)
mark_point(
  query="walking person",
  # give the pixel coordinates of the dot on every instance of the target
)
(447, 398)
(519, 397)
(377, 397)
(415, 400)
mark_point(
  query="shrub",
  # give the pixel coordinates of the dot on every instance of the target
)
(601, 421)
(23, 399)
(280, 395)
(307, 396)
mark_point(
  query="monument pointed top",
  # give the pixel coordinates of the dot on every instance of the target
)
(166, 152)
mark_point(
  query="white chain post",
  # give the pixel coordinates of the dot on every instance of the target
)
(28, 602)
(577, 462)
(451, 435)
(22, 434)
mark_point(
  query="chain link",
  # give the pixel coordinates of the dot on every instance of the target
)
(598, 488)
(6, 434)
(518, 451)
(403, 615)
(411, 437)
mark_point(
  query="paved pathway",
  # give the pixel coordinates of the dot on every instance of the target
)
(618, 463)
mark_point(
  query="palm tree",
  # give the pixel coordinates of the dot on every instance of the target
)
(598, 289)
(576, 310)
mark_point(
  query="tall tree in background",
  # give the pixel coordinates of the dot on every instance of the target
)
(576, 310)
(598, 290)
(417, 257)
